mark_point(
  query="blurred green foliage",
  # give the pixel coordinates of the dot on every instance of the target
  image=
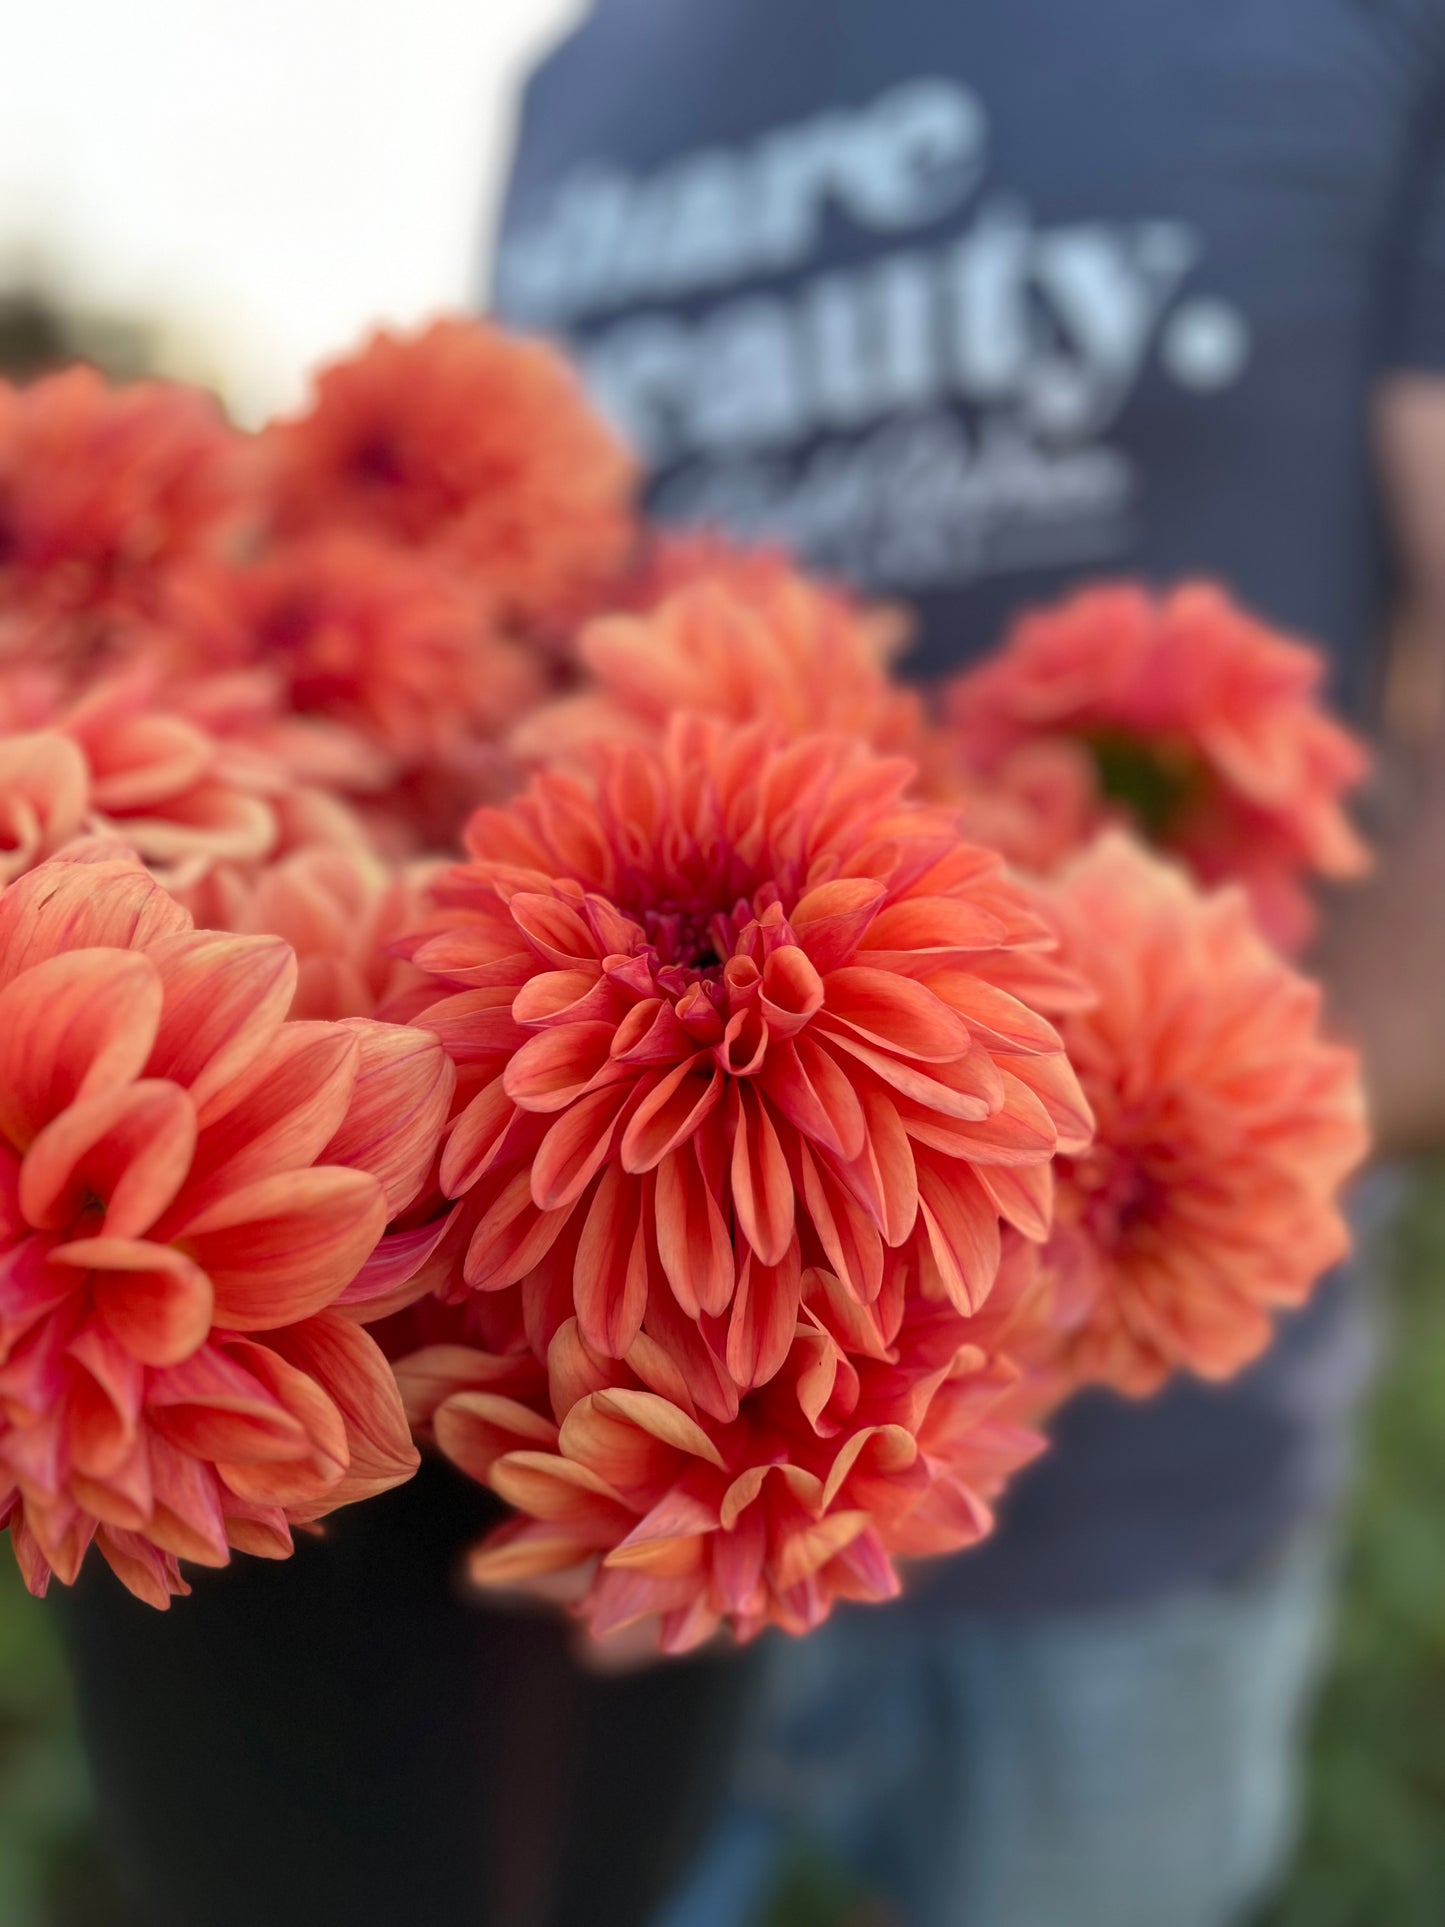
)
(1373, 1847)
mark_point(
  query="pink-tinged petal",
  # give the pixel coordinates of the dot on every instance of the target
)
(511, 1236)
(1055, 1083)
(280, 1112)
(576, 1146)
(475, 1429)
(213, 1407)
(831, 920)
(807, 1550)
(937, 1089)
(610, 1271)
(213, 821)
(554, 1067)
(476, 1026)
(762, 1187)
(994, 1017)
(297, 1484)
(74, 1026)
(561, 1490)
(44, 785)
(694, 1245)
(671, 1113)
(710, 1388)
(399, 1103)
(1021, 1193)
(152, 1298)
(394, 1275)
(554, 930)
(475, 1137)
(143, 760)
(1019, 1132)
(143, 1569)
(225, 999)
(896, 1014)
(764, 1317)
(792, 990)
(126, 1151)
(93, 896)
(281, 1250)
(524, 1550)
(186, 1513)
(922, 932)
(850, 1238)
(260, 1531)
(563, 997)
(351, 1369)
(960, 1235)
(805, 1083)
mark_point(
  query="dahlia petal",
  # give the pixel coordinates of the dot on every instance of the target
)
(762, 1187)
(764, 1317)
(282, 1249)
(831, 920)
(670, 1113)
(511, 1236)
(575, 1147)
(554, 930)
(151, 1297)
(127, 1150)
(926, 931)
(398, 1106)
(560, 1490)
(186, 1515)
(693, 1242)
(554, 1067)
(850, 1238)
(73, 1026)
(95, 895)
(610, 1272)
(352, 1371)
(805, 1083)
(225, 999)
(475, 1429)
(961, 1229)
(477, 1026)
(896, 1014)
(143, 1569)
(392, 1276)
(792, 990)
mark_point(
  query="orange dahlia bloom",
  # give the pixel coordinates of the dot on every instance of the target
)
(779, 650)
(1226, 1126)
(469, 442)
(340, 910)
(743, 1103)
(636, 1504)
(189, 1186)
(730, 1012)
(102, 491)
(374, 640)
(122, 760)
(1204, 729)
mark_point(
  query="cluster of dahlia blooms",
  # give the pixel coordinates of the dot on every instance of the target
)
(477, 970)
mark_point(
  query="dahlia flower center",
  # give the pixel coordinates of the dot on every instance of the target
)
(1157, 782)
(376, 463)
(1118, 1194)
(690, 935)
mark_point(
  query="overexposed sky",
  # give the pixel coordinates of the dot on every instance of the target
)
(268, 176)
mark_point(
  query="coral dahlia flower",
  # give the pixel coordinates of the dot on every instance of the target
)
(730, 1011)
(122, 759)
(189, 1186)
(1204, 728)
(780, 650)
(102, 491)
(636, 1505)
(469, 442)
(1226, 1124)
(370, 638)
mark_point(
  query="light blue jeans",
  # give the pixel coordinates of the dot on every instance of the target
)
(1120, 1769)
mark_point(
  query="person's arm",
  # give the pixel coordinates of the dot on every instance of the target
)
(1383, 951)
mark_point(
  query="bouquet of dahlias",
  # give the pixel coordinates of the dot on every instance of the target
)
(478, 970)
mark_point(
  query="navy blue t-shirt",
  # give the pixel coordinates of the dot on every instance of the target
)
(965, 303)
